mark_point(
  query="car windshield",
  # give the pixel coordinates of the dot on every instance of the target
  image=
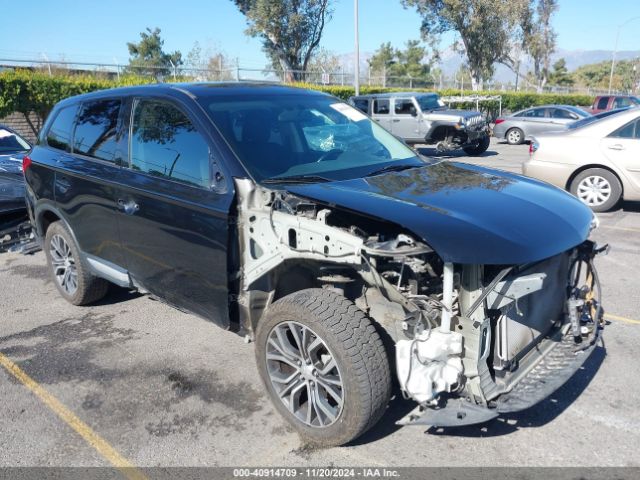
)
(11, 142)
(304, 136)
(429, 102)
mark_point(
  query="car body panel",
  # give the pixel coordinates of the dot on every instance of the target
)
(560, 155)
(467, 214)
(531, 126)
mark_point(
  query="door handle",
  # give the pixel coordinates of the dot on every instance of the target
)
(129, 208)
(395, 120)
(617, 146)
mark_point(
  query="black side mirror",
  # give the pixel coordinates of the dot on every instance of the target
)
(413, 111)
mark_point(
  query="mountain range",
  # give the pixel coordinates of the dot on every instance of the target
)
(451, 61)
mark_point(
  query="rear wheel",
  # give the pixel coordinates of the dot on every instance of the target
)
(478, 148)
(72, 279)
(514, 136)
(600, 189)
(324, 366)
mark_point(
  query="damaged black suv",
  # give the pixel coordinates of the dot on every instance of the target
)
(290, 217)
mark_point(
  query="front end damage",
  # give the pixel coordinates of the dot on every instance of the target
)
(471, 341)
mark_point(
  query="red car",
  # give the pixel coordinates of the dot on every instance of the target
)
(610, 102)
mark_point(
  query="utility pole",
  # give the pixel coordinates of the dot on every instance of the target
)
(615, 50)
(356, 81)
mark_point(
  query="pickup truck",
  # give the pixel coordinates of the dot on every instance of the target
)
(611, 102)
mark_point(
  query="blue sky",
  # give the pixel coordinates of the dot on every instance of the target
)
(99, 30)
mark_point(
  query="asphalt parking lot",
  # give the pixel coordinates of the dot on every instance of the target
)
(162, 388)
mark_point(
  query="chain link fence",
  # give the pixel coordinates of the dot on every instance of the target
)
(239, 73)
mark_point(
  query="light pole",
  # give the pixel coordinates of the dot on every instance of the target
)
(356, 82)
(615, 50)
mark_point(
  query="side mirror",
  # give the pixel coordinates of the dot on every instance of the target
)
(413, 111)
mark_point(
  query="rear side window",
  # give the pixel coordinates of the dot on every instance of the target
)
(602, 103)
(381, 107)
(96, 129)
(533, 113)
(166, 144)
(59, 134)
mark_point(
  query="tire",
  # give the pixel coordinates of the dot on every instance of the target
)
(598, 188)
(70, 276)
(479, 148)
(350, 339)
(514, 136)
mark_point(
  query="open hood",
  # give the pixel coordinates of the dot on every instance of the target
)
(467, 214)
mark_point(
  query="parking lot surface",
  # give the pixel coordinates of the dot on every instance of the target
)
(164, 388)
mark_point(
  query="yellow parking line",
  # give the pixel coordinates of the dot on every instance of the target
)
(616, 318)
(626, 229)
(81, 428)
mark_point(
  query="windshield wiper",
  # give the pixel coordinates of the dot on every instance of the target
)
(392, 168)
(297, 179)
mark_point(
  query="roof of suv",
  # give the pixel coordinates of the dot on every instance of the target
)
(196, 90)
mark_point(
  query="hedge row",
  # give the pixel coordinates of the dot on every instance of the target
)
(511, 101)
(26, 91)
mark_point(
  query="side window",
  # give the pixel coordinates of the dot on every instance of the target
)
(165, 143)
(59, 134)
(381, 106)
(96, 129)
(602, 103)
(533, 113)
(630, 130)
(560, 113)
(361, 104)
(404, 106)
(621, 102)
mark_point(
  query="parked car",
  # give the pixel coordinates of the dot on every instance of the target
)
(603, 103)
(598, 162)
(14, 224)
(520, 126)
(288, 216)
(424, 118)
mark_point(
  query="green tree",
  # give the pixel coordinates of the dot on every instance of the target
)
(540, 40)
(486, 29)
(560, 75)
(414, 62)
(290, 30)
(146, 57)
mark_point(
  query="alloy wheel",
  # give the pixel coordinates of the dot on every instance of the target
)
(514, 136)
(63, 264)
(594, 190)
(304, 374)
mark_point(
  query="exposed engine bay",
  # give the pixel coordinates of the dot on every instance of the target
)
(465, 336)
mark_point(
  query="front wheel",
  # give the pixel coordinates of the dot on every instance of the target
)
(324, 366)
(478, 148)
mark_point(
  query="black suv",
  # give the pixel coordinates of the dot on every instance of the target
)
(290, 217)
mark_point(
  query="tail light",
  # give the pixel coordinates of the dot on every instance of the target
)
(499, 121)
(26, 163)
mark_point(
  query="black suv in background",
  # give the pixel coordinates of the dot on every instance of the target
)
(290, 217)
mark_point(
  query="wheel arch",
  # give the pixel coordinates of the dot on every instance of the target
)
(583, 168)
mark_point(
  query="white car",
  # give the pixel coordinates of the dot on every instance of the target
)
(599, 162)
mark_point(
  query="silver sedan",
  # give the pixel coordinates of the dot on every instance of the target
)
(522, 125)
